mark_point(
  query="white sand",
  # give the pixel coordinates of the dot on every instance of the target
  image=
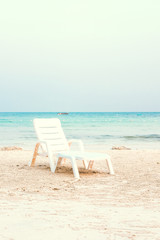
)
(37, 204)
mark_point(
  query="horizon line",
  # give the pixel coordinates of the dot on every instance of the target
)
(83, 112)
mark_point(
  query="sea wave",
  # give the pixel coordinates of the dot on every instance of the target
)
(141, 137)
(133, 137)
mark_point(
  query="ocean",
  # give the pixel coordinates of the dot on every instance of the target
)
(99, 131)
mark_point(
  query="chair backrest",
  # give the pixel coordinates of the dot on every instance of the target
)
(50, 130)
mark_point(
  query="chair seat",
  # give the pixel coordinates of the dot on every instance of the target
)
(83, 155)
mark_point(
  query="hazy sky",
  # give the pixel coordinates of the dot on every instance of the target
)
(86, 55)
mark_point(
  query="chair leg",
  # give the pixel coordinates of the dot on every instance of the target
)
(59, 162)
(109, 164)
(90, 164)
(85, 164)
(75, 168)
(64, 160)
(50, 156)
(32, 162)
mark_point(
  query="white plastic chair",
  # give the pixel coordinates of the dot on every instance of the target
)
(55, 146)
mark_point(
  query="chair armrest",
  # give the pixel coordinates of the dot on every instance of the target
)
(79, 142)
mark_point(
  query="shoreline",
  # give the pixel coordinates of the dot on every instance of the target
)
(96, 147)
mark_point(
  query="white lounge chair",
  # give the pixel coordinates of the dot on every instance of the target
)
(54, 145)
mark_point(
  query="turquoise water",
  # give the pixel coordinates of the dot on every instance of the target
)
(98, 130)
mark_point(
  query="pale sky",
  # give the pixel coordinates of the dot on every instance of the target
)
(86, 55)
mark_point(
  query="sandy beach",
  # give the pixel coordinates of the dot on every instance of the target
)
(86, 71)
(37, 204)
